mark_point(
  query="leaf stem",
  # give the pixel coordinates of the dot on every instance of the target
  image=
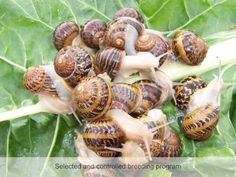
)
(23, 111)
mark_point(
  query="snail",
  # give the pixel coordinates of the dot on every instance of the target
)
(92, 97)
(189, 47)
(154, 43)
(64, 34)
(123, 127)
(72, 64)
(171, 146)
(115, 63)
(92, 33)
(36, 80)
(152, 95)
(186, 88)
(122, 34)
(203, 111)
(128, 12)
(126, 97)
(167, 143)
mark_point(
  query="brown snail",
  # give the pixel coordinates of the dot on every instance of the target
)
(103, 133)
(92, 97)
(128, 12)
(72, 64)
(123, 125)
(189, 47)
(186, 88)
(203, 111)
(122, 34)
(36, 80)
(92, 33)
(152, 95)
(153, 43)
(64, 34)
(126, 97)
(171, 145)
(115, 63)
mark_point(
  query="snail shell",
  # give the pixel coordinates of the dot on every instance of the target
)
(186, 89)
(116, 32)
(199, 123)
(36, 80)
(92, 97)
(155, 147)
(64, 34)
(72, 63)
(171, 146)
(151, 95)
(92, 33)
(153, 43)
(109, 60)
(190, 47)
(126, 97)
(103, 133)
(128, 12)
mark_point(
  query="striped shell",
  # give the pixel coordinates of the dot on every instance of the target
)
(153, 43)
(190, 47)
(103, 133)
(92, 97)
(187, 87)
(155, 147)
(109, 60)
(171, 146)
(128, 12)
(151, 96)
(126, 97)
(116, 32)
(72, 63)
(64, 34)
(151, 123)
(92, 33)
(37, 81)
(199, 123)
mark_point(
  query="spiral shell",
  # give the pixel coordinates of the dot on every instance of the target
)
(153, 43)
(171, 146)
(103, 133)
(92, 33)
(128, 12)
(92, 97)
(151, 95)
(72, 63)
(116, 32)
(125, 96)
(155, 147)
(36, 80)
(190, 47)
(199, 123)
(64, 34)
(109, 60)
(187, 87)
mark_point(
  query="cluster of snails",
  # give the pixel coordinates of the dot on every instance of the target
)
(89, 76)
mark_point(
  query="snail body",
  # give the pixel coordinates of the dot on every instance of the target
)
(125, 96)
(72, 63)
(64, 34)
(187, 87)
(190, 47)
(203, 111)
(92, 97)
(92, 33)
(128, 12)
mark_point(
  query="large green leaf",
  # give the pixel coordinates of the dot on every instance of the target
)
(25, 39)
